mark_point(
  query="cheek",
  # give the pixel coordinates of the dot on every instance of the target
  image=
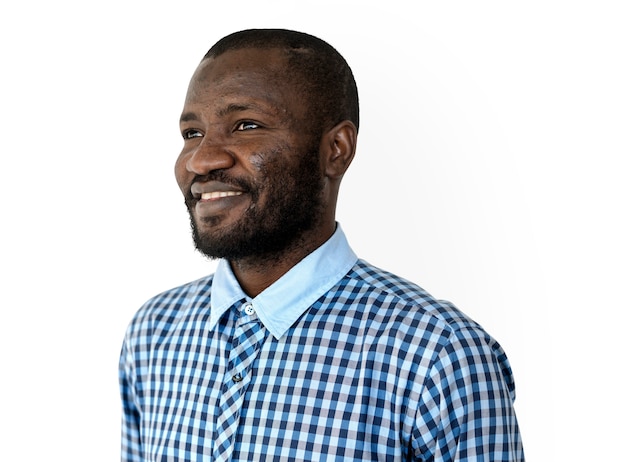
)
(259, 161)
(181, 173)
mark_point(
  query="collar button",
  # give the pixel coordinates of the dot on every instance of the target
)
(248, 309)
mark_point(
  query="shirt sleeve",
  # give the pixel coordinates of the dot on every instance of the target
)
(465, 411)
(131, 437)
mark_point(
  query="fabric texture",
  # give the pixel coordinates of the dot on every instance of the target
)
(338, 360)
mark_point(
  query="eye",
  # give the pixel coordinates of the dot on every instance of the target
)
(247, 125)
(191, 133)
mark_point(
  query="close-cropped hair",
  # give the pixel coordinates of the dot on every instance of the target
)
(321, 74)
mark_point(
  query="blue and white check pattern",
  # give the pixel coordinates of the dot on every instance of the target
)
(373, 368)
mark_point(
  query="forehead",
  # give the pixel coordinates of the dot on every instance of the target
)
(250, 73)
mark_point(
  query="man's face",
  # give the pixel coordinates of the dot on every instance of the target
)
(249, 168)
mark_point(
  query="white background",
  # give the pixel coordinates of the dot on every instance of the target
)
(489, 171)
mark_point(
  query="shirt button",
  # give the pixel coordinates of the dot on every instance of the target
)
(237, 378)
(248, 309)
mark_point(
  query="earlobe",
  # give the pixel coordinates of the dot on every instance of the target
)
(340, 142)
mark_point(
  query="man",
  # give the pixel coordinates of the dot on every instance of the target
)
(295, 349)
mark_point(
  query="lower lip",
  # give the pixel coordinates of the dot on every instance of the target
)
(210, 207)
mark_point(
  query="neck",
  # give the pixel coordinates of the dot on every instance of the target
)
(256, 273)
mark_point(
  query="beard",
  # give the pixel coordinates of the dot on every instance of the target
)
(293, 205)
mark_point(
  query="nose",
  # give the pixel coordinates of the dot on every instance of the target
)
(209, 156)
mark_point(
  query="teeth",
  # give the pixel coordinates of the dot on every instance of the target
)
(218, 194)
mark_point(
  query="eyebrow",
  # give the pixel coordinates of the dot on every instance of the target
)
(230, 109)
(188, 116)
(238, 107)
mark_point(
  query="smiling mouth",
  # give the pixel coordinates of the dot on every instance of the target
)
(209, 196)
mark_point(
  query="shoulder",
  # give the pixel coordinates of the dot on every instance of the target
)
(399, 291)
(437, 325)
(163, 311)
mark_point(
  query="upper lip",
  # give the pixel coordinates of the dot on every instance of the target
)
(200, 188)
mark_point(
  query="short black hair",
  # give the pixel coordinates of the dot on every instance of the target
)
(323, 75)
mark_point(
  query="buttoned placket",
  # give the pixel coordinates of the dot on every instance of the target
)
(248, 338)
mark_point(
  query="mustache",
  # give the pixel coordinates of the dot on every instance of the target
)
(221, 176)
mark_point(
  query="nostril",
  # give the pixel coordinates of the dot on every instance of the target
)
(207, 158)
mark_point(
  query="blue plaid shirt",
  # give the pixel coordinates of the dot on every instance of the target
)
(337, 360)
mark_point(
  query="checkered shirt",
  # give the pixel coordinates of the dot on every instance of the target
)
(338, 361)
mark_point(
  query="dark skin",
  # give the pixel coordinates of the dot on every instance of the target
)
(243, 117)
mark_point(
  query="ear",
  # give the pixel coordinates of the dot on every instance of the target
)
(338, 147)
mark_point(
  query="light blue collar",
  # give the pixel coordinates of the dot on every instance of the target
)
(281, 304)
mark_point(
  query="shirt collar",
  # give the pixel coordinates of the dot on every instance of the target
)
(281, 304)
